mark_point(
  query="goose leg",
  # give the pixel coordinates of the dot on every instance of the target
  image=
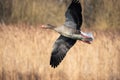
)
(87, 37)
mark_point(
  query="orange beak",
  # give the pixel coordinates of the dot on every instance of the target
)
(43, 27)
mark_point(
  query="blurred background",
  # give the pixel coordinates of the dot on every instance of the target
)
(95, 12)
(25, 48)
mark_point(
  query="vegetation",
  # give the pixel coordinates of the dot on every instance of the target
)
(25, 48)
(25, 54)
(95, 12)
(31, 11)
(102, 12)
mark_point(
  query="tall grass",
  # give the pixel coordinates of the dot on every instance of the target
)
(32, 11)
(95, 12)
(25, 50)
(25, 54)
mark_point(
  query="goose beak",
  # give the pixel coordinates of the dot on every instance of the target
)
(43, 26)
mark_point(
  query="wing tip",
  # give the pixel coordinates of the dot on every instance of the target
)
(54, 65)
(55, 62)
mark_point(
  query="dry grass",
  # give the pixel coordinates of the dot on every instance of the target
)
(95, 12)
(25, 53)
(25, 50)
(31, 11)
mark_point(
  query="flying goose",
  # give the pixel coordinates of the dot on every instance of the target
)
(69, 33)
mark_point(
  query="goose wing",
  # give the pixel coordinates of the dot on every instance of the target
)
(60, 48)
(73, 15)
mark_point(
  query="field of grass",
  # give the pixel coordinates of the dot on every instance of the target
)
(25, 54)
(34, 12)
(25, 48)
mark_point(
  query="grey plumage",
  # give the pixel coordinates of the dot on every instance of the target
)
(73, 15)
(63, 44)
(60, 48)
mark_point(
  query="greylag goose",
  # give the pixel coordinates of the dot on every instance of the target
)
(69, 33)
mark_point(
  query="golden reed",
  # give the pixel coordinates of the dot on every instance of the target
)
(25, 54)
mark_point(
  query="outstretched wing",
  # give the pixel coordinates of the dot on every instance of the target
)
(61, 47)
(73, 15)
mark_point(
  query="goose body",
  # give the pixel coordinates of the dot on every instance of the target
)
(69, 33)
